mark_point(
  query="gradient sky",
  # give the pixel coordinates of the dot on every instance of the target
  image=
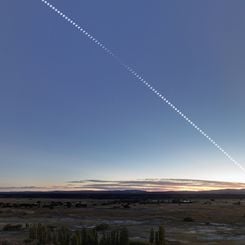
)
(69, 112)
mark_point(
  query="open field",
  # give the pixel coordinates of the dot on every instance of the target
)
(194, 221)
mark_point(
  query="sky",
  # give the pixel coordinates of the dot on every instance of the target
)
(70, 113)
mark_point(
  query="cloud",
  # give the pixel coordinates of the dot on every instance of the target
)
(20, 187)
(141, 184)
(155, 185)
(33, 188)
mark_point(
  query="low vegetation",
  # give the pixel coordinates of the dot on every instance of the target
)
(43, 234)
(11, 227)
(104, 221)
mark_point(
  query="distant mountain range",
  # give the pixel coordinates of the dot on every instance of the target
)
(225, 191)
(238, 193)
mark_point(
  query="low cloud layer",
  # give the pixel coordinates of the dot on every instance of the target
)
(145, 185)
(155, 185)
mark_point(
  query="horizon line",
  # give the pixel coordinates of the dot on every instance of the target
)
(148, 185)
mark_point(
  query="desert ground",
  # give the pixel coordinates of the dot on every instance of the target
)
(192, 221)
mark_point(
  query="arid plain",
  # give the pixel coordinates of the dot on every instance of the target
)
(186, 221)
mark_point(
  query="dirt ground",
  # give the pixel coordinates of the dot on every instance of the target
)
(220, 221)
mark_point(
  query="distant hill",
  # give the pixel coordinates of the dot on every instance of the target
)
(127, 194)
(227, 191)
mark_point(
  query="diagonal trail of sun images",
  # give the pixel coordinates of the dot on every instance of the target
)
(142, 80)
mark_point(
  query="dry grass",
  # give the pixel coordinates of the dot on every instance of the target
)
(214, 222)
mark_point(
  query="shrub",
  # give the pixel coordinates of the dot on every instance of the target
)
(10, 227)
(102, 227)
(188, 219)
(157, 237)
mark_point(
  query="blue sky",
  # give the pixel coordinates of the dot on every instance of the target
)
(70, 112)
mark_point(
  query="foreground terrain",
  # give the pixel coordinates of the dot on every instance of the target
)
(186, 221)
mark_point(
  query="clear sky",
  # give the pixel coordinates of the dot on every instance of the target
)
(69, 112)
